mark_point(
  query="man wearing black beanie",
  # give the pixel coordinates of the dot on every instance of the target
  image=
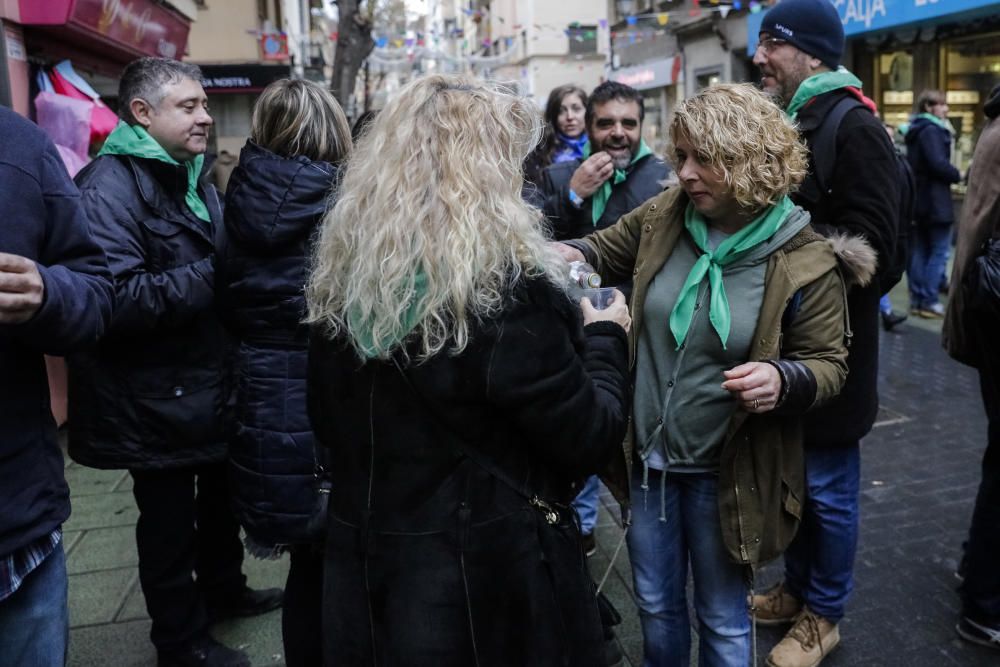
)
(799, 53)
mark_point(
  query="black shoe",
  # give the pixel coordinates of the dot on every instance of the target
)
(589, 544)
(205, 652)
(247, 602)
(982, 633)
(891, 318)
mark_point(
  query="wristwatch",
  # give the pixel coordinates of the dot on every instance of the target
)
(575, 199)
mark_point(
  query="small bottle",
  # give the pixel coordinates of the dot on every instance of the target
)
(583, 275)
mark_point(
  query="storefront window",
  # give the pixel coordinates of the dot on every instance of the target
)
(896, 83)
(972, 69)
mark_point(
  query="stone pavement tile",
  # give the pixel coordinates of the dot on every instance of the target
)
(103, 549)
(96, 597)
(103, 511)
(112, 645)
(84, 481)
(259, 637)
(134, 607)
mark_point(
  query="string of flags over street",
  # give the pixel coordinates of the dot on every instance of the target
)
(395, 52)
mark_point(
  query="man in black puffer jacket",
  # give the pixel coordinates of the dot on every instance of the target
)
(155, 396)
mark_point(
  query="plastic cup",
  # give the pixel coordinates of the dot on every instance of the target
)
(600, 297)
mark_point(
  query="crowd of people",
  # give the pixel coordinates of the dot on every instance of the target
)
(365, 356)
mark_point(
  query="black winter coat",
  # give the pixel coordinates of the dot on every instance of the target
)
(861, 202)
(645, 180)
(156, 392)
(273, 206)
(928, 149)
(43, 221)
(446, 560)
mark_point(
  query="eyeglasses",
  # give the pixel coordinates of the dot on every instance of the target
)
(769, 44)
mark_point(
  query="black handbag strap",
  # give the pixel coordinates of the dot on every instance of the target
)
(477, 457)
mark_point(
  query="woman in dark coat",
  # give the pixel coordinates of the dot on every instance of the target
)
(928, 149)
(275, 201)
(565, 132)
(462, 396)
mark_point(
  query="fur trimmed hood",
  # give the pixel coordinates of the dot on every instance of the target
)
(856, 257)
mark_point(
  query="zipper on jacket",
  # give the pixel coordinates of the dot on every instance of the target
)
(739, 514)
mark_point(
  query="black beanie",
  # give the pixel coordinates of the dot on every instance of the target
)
(812, 26)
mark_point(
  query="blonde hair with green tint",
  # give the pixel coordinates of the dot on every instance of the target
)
(737, 130)
(433, 188)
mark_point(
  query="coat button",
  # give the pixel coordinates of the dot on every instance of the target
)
(670, 383)
(648, 227)
(652, 207)
(178, 391)
(635, 271)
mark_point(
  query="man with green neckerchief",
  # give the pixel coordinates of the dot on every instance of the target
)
(154, 396)
(799, 51)
(618, 171)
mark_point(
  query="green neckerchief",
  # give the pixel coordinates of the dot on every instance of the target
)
(711, 262)
(135, 141)
(937, 121)
(365, 337)
(599, 200)
(818, 84)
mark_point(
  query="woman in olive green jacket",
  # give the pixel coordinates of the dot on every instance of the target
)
(738, 328)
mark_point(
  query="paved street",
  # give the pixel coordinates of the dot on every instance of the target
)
(919, 480)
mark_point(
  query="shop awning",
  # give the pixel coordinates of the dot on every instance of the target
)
(121, 30)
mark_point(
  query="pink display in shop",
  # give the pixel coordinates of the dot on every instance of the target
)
(102, 119)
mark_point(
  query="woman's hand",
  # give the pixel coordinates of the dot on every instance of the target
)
(756, 385)
(616, 312)
(567, 252)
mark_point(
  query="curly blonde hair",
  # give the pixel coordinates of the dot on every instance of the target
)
(429, 224)
(737, 130)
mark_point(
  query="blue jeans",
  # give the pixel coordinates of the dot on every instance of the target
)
(929, 248)
(660, 551)
(819, 563)
(585, 504)
(34, 621)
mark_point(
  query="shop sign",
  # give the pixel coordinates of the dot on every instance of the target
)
(142, 26)
(274, 46)
(653, 74)
(241, 78)
(861, 16)
(15, 45)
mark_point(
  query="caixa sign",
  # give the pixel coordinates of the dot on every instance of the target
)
(862, 16)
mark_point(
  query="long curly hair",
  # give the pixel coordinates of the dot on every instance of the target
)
(740, 132)
(429, 226)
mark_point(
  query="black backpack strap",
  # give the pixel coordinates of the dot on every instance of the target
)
(823, 144)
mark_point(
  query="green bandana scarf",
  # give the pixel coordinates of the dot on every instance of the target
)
(135, 141)
(818, 84)
(937, 121)
(599, 200)
(711, 262)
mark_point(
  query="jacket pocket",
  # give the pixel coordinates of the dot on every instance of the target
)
(180, 416)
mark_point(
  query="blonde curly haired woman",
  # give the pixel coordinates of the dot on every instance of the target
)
(738, 308)
(459, 390)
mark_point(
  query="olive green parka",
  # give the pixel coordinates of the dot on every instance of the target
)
(762, 476)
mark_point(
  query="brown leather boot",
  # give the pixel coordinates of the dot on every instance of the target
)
(775, 606)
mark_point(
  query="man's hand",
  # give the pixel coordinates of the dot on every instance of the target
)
(591, 174)
(757, 385)
(21, 289)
